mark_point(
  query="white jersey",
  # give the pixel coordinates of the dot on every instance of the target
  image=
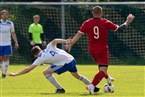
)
(5, 32)
(53, 56)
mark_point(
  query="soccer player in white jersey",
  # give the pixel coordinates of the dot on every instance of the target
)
(6, 30)
(59, 60)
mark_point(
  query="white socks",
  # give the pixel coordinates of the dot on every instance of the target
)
(85, 80)
(52, 79)
(5, 65)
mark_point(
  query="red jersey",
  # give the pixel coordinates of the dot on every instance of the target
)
(97, 32)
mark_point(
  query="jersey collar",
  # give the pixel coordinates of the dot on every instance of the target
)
(4, 22)
(96, 18)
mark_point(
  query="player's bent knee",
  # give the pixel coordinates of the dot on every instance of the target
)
(46, 72)
(105, 72)
(5, 58)
(1, 59)
(76, 75)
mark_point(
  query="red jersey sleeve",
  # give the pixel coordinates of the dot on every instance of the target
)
(83, 28)
(112, 26)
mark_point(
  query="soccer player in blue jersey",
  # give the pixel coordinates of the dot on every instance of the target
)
(60, 62)
(6, 31)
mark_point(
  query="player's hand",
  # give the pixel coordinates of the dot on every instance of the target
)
(68, 47)
(32, 43)
(130, 18)
(12, 74)
(16, 45)
(68, 41)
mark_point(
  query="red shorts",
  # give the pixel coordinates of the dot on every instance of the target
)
(100, 56)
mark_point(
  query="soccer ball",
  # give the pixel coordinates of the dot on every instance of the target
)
(108, 88)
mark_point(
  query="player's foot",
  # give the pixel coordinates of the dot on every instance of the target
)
(96, 89)
(60, 91)
(3, 75)
(90, 88)
(109, 80)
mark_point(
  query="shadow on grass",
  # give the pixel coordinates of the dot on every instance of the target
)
(100, 93)
(72, 94)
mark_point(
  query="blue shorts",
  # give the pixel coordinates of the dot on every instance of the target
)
(71, 67)
(6, 50)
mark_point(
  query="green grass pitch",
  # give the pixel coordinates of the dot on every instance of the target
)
(129, 82)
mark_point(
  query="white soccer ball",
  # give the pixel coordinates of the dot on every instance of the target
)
(108, 88)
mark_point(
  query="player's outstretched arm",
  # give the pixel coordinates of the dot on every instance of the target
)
(24, 71)
(129, 19)
(73, 41)
(56, 41)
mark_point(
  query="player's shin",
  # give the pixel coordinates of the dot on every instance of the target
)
(84, 80)
(52, 79)
(98, 77)
(5, 65)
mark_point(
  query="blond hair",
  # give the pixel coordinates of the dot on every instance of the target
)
(36, 16)
(4, 11)
(97, 10)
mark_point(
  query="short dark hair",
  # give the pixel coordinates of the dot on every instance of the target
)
(4, 11)
(97, 9)
(35, 50)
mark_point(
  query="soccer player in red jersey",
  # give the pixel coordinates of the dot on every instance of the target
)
(96, 29)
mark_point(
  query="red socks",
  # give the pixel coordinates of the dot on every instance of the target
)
(98, 77)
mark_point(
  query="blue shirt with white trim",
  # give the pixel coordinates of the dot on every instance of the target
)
(6, 28)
